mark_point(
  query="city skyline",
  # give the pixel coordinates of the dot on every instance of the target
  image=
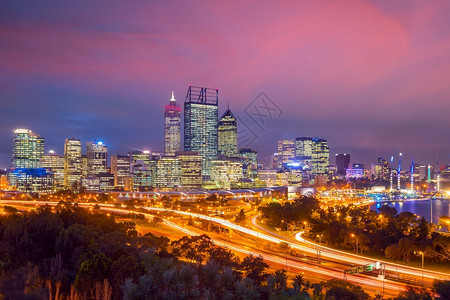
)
(377, 88)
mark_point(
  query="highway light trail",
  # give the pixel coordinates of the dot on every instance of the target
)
(312, 249)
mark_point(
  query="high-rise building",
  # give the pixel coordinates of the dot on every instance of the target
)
(72, 162)
(342, 162)
(200, 124)
(54, 164)
(286, 152)
(303, 151)
(191, 169)
(96, 158)
(320, 157)
(249, 162)
(120, 168)
(28, 148)
(314, 154)
(172, 128)
(168, 173)
(227, 134)
(142, 171)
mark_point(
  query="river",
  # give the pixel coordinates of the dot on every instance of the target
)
(421, 208)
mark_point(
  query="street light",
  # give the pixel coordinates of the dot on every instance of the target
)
(420, 253)
(356, 241)
(320, 238)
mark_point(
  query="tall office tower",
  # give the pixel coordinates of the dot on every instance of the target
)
(313, 153)
(342, 162)
(227, 134)
(168, 173)
(249, 162)
(72, 162)
(142, 171)
(96, 154)
(286, 152)
(303, 150)
(120, 168)
(28, 148)
(55, 164)
(191, 169)
(200, 124)
(172, 128)
(320, 157)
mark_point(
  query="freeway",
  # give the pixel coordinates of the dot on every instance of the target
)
(353, 258)
(294, 264)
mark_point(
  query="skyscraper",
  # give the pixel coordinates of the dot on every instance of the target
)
(142, 171)
(314, 154)
(249, 162)
(96, 157)
(227, 134)
(320, 157)
(28, 148)
(191, 169)
(72, 162)
(286, 152)
(120, 168)
(303, 150)
(55, 164)
(172, 117)
(200, 124)
(342, 162)
(168, 173)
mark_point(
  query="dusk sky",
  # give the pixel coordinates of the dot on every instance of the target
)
(371, 77)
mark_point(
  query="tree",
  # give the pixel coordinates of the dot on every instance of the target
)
(414, 294)
(300, 283)
(196, 248)
(91, 271)
(241, 216)
(343, 290)
(442, 289)
(278, 280)
(9, 209)
(223, 257)
(441, 247)
(254, 268)
(387, 211)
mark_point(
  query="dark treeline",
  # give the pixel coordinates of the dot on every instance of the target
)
(397, 236)
(72, 253)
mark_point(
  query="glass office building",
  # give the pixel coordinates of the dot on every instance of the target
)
(72, 162)
(96, 158)
(28, 148)
(172, 127)
(200, 124)
(227, 134)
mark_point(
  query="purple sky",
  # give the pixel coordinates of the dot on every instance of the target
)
(372, 77)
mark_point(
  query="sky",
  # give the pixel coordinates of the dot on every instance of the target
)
(371, 77)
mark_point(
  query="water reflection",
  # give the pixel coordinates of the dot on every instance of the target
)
(421, 208)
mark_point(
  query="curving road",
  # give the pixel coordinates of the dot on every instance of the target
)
(390, 286)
